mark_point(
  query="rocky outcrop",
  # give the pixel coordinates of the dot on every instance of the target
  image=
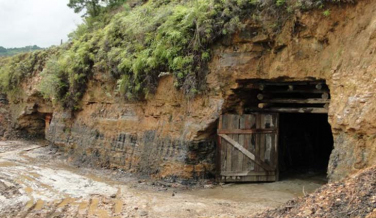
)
(4, 117)
(339, 49)
(166, 137)
(172, 137)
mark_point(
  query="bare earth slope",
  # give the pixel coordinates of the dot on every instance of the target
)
(354, 196)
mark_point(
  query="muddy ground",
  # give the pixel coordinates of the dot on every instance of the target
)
(36, 181)
(354, 196)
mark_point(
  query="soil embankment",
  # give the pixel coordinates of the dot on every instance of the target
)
(352, 197)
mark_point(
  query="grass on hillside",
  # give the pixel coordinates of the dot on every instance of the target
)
(136, 45)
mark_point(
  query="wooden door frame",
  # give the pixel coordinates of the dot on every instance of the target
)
(221, 135)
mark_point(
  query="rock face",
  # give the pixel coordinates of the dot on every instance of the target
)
(339, 49)
(165, 137)
(4, 116)
(171, 137)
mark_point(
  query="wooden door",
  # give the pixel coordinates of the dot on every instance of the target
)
(248, 150)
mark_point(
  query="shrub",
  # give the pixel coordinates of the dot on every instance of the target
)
(136, 45)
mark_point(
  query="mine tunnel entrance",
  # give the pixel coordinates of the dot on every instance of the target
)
(305, 144)
(34, 125)
(275, 130)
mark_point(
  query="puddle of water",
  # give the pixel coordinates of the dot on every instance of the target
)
(118, 206)
(36, 175)
(8, 164)
(65, 202)
(93, 206)
(83, 206)
(24, 155)
(29, 192)
(102, 213)
(258, 192)
(25, 177)
(39, 205)
(91, 176)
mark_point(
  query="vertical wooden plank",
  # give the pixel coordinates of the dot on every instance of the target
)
(269, 123)
(229, 148)
(224, 145)
(271, 140)
(235, 152)
(249, 141)
(252, 138)
(244, 123)
(219, 151)
(258, 139)
(241, 157)
(273, 154)
(271, 146)
(262, 140)
(276, 144)
(268, 149)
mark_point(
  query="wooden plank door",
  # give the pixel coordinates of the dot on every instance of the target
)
(248, 150)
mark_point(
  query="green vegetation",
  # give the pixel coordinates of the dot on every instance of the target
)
(280, 2)
(14, 51)
(14, 69)
(326, 13)
(136, 45)
(94, 8)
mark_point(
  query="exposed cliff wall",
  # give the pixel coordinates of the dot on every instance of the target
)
(164, 137)
(340, 49)
(172, 137)
(4, 117)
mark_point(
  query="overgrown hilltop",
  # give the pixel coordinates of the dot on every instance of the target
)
(13, 70)
(136, 45)
(14, 51)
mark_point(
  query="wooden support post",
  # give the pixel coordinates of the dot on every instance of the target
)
(261, 87)
(297, 101)
(325, 95)
(262, 105)
(308, 91)
(247, 131)
(313, 110)
(260, 96)
(219, 150)
(319, 86)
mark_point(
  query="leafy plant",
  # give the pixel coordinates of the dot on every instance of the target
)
(135, 45)
(280, 2)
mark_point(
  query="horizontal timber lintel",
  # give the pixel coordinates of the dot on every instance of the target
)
(247, 173)
(291, 110)
(246, 131)
(297, 101)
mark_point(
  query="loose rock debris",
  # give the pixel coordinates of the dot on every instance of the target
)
(352, 197)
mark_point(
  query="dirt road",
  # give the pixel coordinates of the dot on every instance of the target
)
(35, 182)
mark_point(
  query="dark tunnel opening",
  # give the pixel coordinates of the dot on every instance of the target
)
(305, 144)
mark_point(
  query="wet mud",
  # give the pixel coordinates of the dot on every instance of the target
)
(36, 181)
